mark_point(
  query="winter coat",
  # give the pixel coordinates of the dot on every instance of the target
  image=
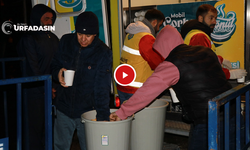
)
(171, 73)
(92, 79)
(201, 79)
(38, 47)
(138, 52)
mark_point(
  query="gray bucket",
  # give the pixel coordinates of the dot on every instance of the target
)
(102, 135)
(147, 132)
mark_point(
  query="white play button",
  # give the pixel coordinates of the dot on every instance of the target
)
(124, 75)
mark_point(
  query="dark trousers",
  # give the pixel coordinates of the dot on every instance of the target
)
(34, 122)
(198, 136)
(123, 96)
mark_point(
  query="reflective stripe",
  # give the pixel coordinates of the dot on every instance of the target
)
(136, 84)
(213, 46)
(131, 51)
(212, 42)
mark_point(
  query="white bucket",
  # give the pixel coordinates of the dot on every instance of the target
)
(102, 135)
(148, 126)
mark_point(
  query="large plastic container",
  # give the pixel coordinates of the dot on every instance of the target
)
(102, 135)
(147, 132)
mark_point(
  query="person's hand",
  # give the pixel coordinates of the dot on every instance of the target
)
(61, 78)
(113, 117)
(237, 73)
(227, 64)
(53, 93)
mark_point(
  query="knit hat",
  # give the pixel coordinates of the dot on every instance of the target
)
(87, 23)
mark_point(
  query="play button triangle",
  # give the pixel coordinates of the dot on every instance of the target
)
(124, 75)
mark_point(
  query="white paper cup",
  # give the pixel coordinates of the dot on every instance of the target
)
(173, 95)
(69, 77)
(241, 80)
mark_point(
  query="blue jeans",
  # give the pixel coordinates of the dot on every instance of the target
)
(64, 128)
(123, 96)
(198, 136)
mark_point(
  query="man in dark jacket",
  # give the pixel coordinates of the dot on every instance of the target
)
(91, 60)
(38, 47)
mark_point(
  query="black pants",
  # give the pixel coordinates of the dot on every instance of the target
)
(34, 121)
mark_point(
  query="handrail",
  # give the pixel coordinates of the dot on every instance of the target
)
(213, 116)
(48, 106)
(3, 61)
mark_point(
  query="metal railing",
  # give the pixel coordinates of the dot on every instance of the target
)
(48, 106)
(224, 100)
(3, 62)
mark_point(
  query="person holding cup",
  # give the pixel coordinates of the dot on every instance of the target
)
(90, 62)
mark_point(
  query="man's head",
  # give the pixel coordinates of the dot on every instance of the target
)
(207, 15)
(87, 28)
(47, 19)
(156, 18)
(42, 15)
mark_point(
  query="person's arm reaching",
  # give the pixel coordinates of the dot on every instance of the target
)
(165, 75)
(237, 73)
(202, 40)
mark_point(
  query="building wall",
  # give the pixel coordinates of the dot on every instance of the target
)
(139, 3)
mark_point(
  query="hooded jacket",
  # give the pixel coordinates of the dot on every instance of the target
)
(92, 79)
(173, 72)
(138, 52)
(38, 11)
(38, 47)
(194, 24)
(196, 33)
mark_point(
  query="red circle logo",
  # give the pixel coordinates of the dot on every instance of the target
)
(124, 74)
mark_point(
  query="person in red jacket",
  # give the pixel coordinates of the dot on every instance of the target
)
(137, 51)
(195, 73)
(198, 32)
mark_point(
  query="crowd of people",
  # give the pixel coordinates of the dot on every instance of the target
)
(185, 61)
(192, 69)
(83, 52)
